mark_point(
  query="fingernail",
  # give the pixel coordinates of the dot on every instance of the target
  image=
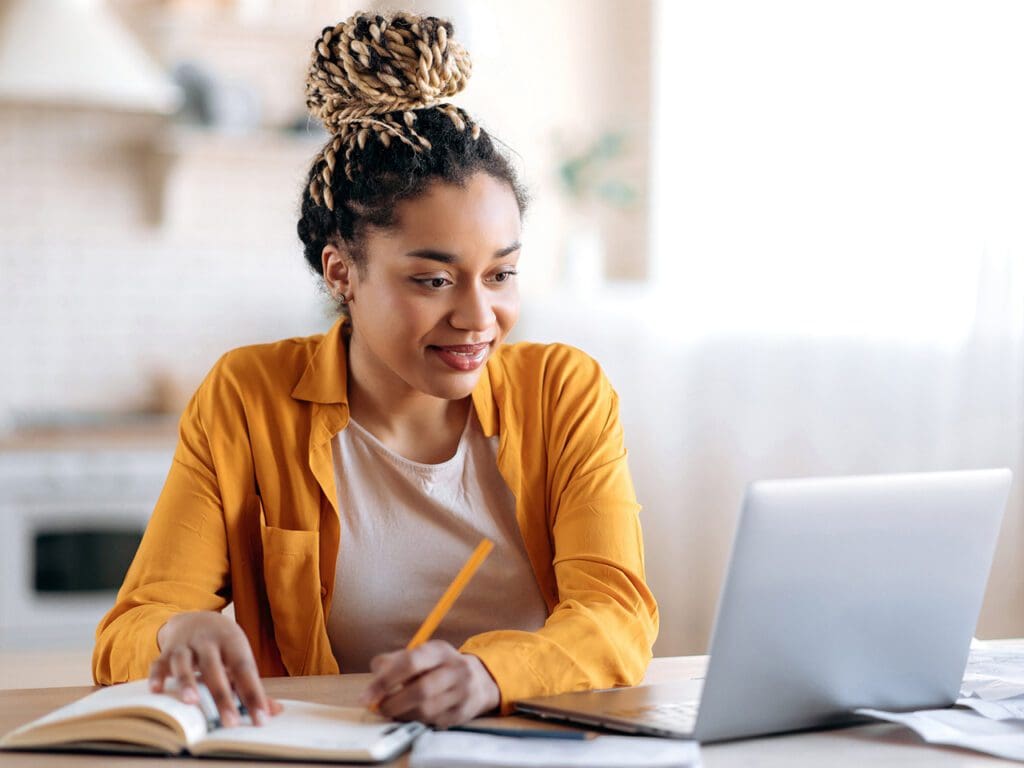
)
(231, 720)
(259, 716)
(190, 696)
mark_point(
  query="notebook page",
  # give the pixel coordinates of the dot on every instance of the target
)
(124, 699)
(301, 728)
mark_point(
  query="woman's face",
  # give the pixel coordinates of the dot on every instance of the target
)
(437, 293)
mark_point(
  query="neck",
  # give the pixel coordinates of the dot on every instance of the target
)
(394, 411)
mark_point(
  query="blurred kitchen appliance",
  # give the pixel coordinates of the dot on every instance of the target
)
(71, 521)
(78, 53)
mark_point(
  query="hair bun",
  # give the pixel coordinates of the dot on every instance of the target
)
(373, 64)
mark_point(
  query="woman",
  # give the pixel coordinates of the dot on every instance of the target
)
(329, 487)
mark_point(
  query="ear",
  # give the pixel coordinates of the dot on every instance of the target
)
(338, 269)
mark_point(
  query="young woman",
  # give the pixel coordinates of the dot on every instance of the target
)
(330, 486)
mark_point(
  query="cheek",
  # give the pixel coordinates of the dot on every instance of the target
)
(398, 313)
(413, 321)
(506, 308)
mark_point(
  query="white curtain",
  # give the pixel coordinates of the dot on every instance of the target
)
(838, 209)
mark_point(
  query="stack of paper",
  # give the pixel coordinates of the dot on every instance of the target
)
(995, 672)
(993, 696)
(451, 749)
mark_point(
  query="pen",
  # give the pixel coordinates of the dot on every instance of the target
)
(525, 733)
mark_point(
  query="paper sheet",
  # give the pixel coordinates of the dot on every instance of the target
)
(995, 671)
(1005, 709)
(960, 728)
(452, 749)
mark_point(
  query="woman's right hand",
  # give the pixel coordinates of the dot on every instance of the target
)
(214, 646)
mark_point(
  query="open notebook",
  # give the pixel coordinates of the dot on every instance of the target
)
(128, 718)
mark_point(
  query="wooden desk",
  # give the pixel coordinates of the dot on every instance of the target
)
(873, 745)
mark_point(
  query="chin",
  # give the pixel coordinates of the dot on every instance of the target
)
(458, 387)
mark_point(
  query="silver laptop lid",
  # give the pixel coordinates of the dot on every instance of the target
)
(849, 592)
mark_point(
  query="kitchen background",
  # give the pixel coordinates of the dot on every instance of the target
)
(790, 234)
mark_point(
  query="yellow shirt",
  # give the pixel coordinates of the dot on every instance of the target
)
(249, 514)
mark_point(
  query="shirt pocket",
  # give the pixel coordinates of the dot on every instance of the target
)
(291, 574)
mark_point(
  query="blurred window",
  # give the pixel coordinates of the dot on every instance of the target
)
(838, 168)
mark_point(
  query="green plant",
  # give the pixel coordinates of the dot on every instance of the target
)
(591, 174)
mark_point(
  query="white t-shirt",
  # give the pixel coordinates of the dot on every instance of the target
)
(406, 530)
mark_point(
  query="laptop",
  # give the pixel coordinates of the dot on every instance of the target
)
(841, 593)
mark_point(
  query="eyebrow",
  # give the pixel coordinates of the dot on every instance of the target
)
(451, 258)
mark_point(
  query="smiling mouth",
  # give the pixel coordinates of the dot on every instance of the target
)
(470, 350)
(462, 357)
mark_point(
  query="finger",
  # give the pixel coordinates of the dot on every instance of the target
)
(276, 707)
(457, 714)
(183, 671)
(158, 672)
(396, 669)
(212, 668)
(431, 710)
(425, 697)
(380, 666)
(243, 673)
(383, 662)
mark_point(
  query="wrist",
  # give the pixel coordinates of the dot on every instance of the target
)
(488, 685)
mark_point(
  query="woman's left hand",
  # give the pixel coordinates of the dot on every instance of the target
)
(433, 683)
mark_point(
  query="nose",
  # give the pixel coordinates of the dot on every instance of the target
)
(473, 310)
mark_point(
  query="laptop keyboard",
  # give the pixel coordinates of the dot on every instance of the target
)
(680, 716)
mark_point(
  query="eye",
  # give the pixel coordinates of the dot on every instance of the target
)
(505, 276)
(432, 282)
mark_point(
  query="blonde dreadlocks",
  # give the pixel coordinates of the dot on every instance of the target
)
(366, 77)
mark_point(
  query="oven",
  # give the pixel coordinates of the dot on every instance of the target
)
(70, 522)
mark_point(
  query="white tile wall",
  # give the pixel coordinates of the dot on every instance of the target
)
(96, 296)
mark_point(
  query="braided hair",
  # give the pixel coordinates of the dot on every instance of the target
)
(375, 82)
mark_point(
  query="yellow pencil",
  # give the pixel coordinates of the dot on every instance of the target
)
(483, 549)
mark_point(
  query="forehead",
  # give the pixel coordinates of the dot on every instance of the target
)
(484, 210)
